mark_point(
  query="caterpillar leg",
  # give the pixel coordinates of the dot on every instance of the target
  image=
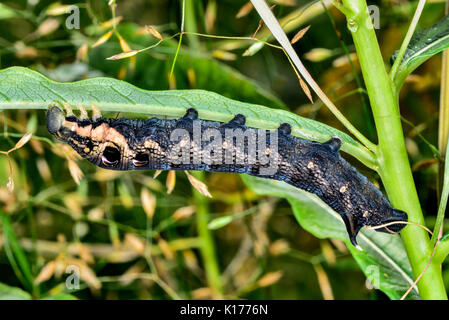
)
(96, 113)
(285, 129)
(333, 144)
(352, 228)
(238, 122)
(191, 114)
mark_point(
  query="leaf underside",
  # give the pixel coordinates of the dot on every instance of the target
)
(21, 88)
(383, 259)
(423, 45)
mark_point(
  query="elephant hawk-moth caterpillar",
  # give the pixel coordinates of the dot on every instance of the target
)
(189, 143)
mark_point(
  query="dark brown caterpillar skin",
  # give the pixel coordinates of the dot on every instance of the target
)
(129, 144)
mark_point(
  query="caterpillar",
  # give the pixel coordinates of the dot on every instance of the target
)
(189, 143)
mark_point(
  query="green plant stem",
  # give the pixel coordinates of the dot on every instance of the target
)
(443, 131)
(438, 229)
(183, 11)
(443, 122)
(207, 242)
(394, 167)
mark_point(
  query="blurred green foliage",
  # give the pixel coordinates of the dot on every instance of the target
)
(103, 227)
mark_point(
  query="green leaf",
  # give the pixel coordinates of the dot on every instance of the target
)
(21, 88)
(16, 255)
(13, 293)
(423, 45)
(220, 222)
(60, 296)
(383, 259)
(6, 12)
(445, 237)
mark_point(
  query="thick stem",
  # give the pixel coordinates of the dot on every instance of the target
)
(392, 156)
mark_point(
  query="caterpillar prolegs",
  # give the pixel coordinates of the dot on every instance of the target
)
(189, 143)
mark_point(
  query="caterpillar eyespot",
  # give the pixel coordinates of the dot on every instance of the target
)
(110, 157)
(189, 143)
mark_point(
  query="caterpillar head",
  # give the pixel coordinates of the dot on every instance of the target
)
(94, 140)
(383, 219)
(392, 221)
